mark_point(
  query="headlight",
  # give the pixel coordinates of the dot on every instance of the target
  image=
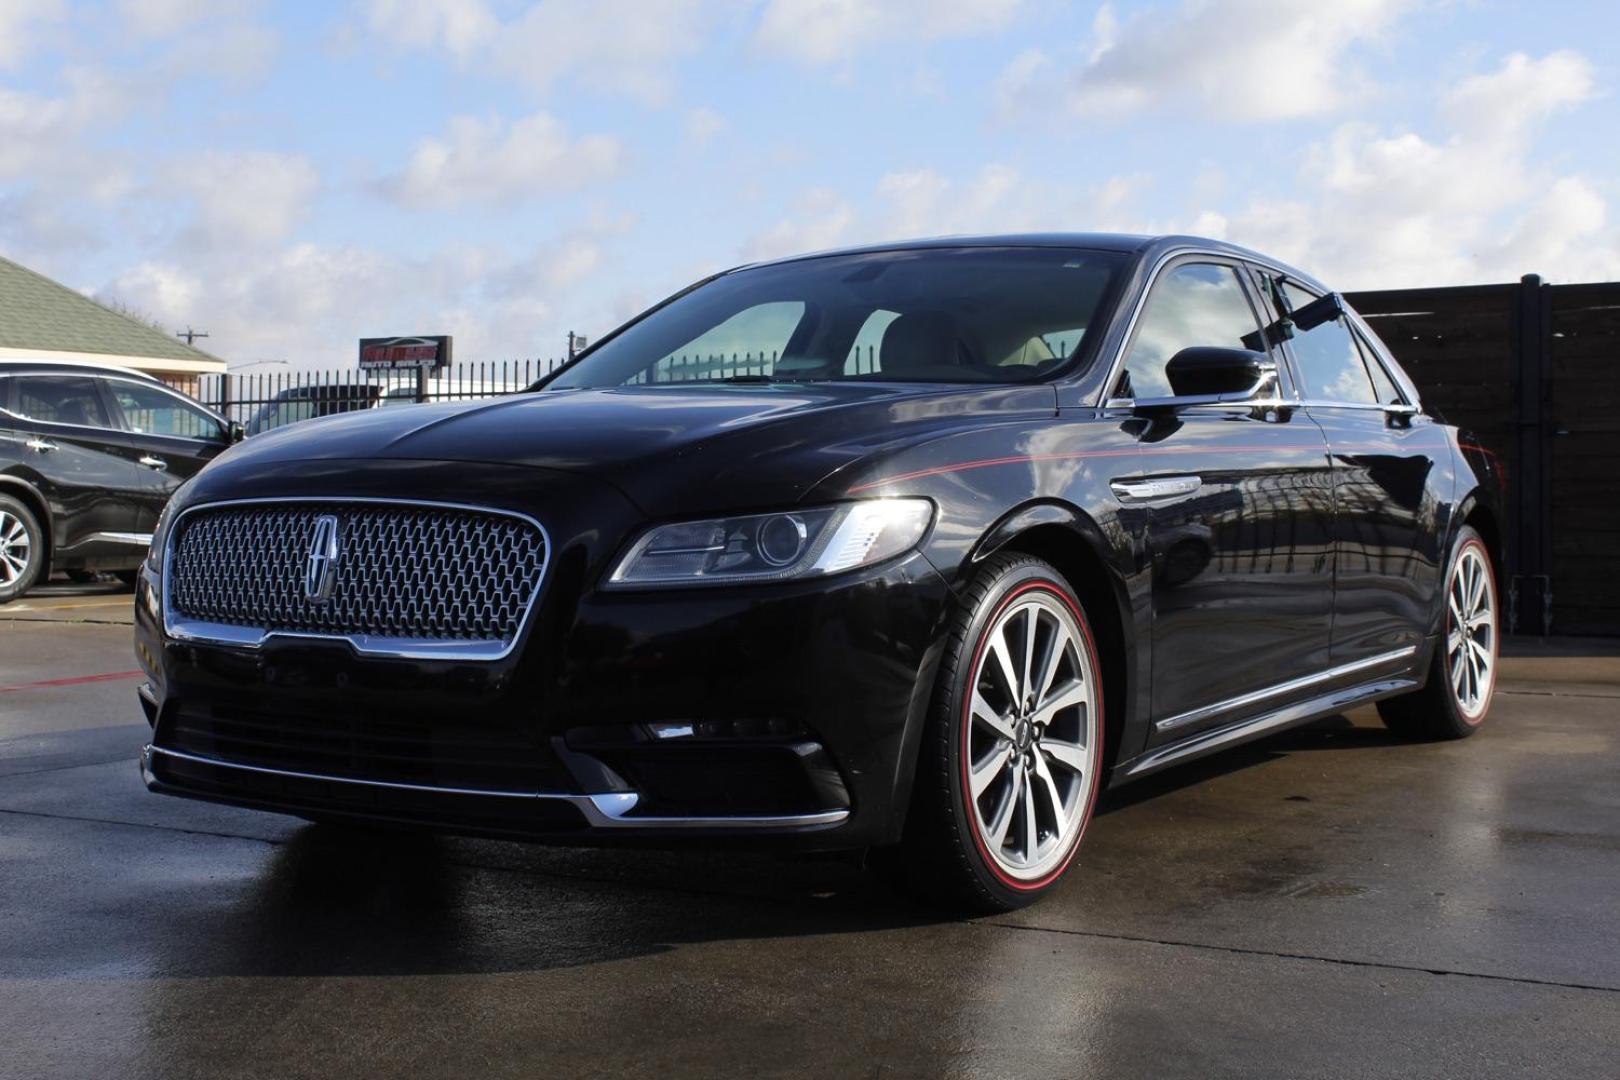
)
(774, 547)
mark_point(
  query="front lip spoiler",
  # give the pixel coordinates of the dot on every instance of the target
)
(607, 810)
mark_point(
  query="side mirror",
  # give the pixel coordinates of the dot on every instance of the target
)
(1200, 370)
(237, 432)
(1213, 376)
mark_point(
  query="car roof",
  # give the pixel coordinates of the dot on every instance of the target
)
(1145, 248)
(70, 367)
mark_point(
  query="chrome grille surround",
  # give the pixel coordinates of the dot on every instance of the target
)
(416, 579)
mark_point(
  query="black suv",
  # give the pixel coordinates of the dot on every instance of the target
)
(909, 549)
(88, 458)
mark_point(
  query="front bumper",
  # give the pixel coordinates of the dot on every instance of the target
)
(791, 711)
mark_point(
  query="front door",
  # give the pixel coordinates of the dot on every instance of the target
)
(78, 460)
(171, 438)
(1239, 508)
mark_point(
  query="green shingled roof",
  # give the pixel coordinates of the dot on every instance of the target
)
(38, 313)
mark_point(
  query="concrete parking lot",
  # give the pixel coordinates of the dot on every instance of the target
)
(1326, 903)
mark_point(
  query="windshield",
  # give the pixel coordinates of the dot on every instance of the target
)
(983, 315)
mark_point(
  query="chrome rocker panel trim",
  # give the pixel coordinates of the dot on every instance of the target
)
(198, 631)
(606, 810)
(1254, 697)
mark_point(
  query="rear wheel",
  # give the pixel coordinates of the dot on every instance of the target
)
(22, 549)
(1012, 758)
(1462, 677)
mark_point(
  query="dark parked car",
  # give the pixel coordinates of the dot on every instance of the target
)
(88, 457)
(908, 549)
(298, 403)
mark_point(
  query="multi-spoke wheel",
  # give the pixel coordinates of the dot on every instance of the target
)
(21, 549)
(1012, 761)
(1463, 676)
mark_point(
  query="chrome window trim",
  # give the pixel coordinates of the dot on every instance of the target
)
(249, 637)
(1255, 697)
(96, 373)
(603, 810)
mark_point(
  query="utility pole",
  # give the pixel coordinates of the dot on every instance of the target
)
(190, 335)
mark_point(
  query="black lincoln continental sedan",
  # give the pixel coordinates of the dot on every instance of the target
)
(908, 549)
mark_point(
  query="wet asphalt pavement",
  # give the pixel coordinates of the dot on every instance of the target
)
(1327, 903)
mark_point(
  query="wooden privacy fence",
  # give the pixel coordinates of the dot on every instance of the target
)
(1533, 370)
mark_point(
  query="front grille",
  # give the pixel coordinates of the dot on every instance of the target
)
(405, 571)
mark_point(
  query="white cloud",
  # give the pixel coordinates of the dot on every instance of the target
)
(832, 31)
(703, 124)
(820, 218)
(308, 303)
(1386, 209)
(18, 21)
(621, 47)
(1241, 60)
(488, 160)
(460, 26)
(918, 203)
(162, 18)
(243, 198)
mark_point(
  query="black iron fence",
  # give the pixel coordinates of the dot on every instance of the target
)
(262, 400)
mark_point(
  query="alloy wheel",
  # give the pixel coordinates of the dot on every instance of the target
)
(1031, 732)
(16, 549)
(1471, 632)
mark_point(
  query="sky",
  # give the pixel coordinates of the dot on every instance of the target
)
(293, 176)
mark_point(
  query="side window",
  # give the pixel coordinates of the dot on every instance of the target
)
(750, 342)
(150, 411)
(1194, 304)
(1383, 385)
(61, 399)
(5, 391)
(1330, 366)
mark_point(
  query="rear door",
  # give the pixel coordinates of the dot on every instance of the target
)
(78, 460)
(1385, 531)
(1238, 507)
(172, 437)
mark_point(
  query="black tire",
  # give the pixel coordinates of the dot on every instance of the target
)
(82, 577)
(22, 549)
(1440, 710)
(128, 577)
(945, 857)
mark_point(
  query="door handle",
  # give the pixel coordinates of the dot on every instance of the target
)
(44, 446)
(153, 462)
(1159, 487)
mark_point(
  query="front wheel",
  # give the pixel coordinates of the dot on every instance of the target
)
(1462, 678)
(22, 549)
(1012, 758)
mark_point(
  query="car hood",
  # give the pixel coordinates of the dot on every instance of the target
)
(670, 448)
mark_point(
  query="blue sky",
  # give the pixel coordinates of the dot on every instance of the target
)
(294, 176)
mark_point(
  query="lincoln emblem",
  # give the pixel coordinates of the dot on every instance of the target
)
(324, 547)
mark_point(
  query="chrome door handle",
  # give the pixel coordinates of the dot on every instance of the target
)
(1160, 487)
(153, 462)
(44, 446)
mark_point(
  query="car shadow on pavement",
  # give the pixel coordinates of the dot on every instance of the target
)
(334, 900)
(339, 901)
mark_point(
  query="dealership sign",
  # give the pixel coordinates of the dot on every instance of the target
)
(388, 353)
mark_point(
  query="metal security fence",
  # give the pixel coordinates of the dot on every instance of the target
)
(263, 400)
